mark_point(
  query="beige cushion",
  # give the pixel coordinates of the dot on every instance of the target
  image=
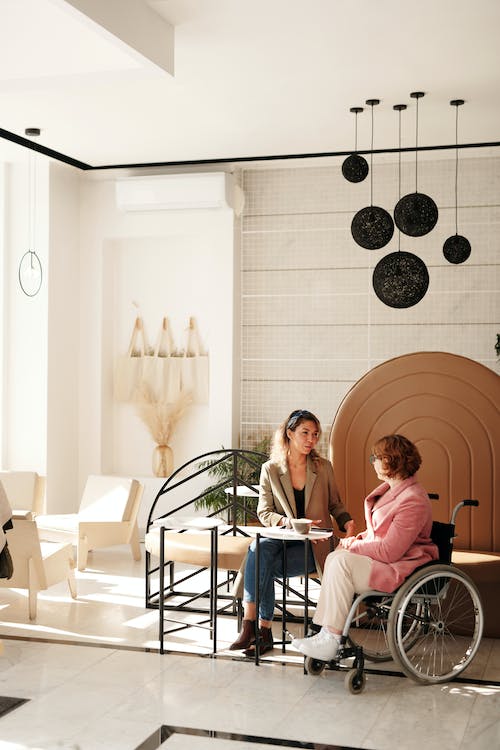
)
(480, 566)
(194, 548)
(24, 489)
(484, 569)
(107, 498)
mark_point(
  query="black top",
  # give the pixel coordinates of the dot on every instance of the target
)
(300, 501)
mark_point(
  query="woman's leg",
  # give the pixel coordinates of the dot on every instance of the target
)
(270, 567)
(344, 575)
(270, 555)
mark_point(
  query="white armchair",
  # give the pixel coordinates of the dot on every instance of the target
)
(37, 565)
(25, 490)
(107, 516)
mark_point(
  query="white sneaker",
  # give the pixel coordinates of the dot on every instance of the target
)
(322, 646)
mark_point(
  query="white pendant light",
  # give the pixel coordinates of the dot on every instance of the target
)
(30, 267)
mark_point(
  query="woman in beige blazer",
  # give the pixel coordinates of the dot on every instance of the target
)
(294, 483)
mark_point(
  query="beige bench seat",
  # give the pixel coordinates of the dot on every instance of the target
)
(484, 569)
(193, 548)
(37, 565)
(107, 516)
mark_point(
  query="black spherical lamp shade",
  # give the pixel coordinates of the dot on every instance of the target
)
(372, 227)
(416, 214)
(456, 249)
(355, 168)
(400, 279)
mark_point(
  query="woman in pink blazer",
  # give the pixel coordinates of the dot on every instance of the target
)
(395, 543)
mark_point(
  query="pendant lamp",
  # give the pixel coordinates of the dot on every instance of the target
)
(456, 248)
(372, 227)
(355, 167)
(30, 268)
(400, 279)
(416, 214)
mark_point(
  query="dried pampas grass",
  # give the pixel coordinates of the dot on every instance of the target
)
(159, 417)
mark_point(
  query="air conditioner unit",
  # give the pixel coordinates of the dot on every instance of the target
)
(179, 191)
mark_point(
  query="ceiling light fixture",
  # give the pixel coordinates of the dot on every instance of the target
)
(372, 227)
(456, 248)
(355, 167)
(30, 268)
(416, 214)
(400, 279)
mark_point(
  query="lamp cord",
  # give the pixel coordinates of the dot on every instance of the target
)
(371, 165)
(416, 149)
(31, 200)
(399, 177)
(356, 133)
(456, 170)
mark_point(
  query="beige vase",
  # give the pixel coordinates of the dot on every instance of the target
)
(163, 461)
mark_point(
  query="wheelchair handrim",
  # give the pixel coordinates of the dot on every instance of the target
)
(448, 625)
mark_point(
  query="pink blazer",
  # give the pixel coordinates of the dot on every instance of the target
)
(397, 536)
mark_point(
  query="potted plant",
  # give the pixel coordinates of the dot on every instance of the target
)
(215, 499)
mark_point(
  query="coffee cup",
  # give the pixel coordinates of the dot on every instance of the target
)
(301, 525)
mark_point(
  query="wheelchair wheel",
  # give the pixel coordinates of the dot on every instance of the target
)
(441, 608)
(354, 682)
(369, 628)
(313, 666)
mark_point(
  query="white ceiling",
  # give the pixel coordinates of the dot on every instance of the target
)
(252, 77)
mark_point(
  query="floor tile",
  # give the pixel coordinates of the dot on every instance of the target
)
(95, 680)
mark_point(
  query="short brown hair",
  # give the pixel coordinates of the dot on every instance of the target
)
(399, 455)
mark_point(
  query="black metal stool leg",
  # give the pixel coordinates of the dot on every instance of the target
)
(283, 611)
(306, 585)
(257, 598)
(161, 599)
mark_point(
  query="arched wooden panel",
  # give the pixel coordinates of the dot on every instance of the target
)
(448, 406)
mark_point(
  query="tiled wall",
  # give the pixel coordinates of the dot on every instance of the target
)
(311, 322)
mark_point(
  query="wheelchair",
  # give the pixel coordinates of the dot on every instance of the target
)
(431, 626)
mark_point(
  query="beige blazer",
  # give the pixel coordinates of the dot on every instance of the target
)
(322, 501)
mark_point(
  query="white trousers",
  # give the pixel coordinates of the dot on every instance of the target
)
(345, 573)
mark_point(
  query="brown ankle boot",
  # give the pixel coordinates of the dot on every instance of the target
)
(246, 637)
(266, 643)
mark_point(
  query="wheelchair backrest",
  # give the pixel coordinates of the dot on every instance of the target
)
(442, 535)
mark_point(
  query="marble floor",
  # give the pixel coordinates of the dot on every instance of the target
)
(94, 680)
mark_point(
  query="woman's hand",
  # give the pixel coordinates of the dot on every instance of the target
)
(346, 542)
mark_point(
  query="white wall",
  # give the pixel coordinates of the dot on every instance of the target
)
(173, 263)
(24, 422)
(60, 347)
(63, 435)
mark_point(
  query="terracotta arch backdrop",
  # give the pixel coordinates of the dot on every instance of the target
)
(448, 406)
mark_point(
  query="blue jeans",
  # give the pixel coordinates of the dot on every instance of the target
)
(271, 567)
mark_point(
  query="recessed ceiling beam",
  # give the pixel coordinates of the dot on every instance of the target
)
(134, 24)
